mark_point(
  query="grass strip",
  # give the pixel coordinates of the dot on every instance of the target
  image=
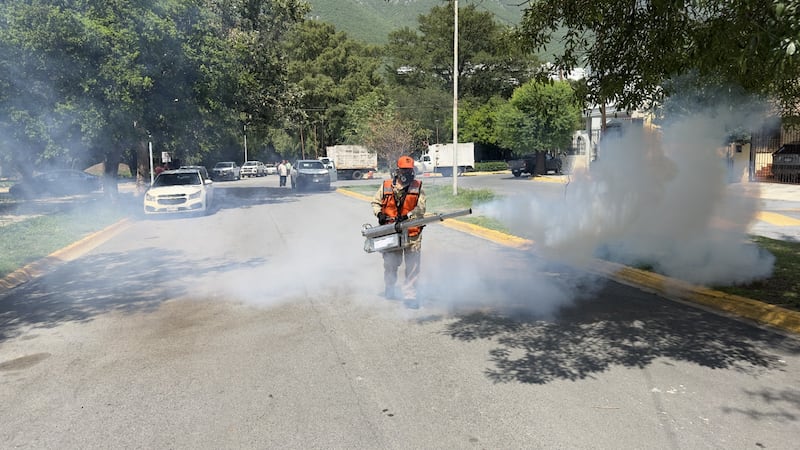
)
(29, 240)
(783, 287)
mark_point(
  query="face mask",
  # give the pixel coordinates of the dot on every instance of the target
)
(406, 176)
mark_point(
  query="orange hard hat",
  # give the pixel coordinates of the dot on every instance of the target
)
(405, 162)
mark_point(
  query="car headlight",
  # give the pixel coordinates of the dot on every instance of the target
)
(195, 195)
(149, 197)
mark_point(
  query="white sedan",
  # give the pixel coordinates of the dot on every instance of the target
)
(179, 191)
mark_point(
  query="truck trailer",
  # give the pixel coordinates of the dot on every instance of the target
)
(439, 158)
(352, 162)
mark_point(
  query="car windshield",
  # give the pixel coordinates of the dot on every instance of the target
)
(311, 165)
(223, 165)
(177, 179)
(250, 164)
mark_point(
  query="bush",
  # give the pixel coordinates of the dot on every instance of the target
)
(491, 166)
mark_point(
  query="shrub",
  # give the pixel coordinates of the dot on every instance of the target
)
(491, 166)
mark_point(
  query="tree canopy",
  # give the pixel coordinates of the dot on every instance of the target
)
(632, 48)
(540, 116)
(91, 79)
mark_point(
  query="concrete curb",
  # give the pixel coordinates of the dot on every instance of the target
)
(759, 312)
(68, 253)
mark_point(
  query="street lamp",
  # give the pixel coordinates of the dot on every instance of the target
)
(437, 130)
(455, 97)
(245, 142)
(150, 149)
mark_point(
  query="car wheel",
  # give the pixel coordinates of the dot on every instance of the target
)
(356, 175)
(517, 173)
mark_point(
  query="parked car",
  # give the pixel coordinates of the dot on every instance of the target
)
(179, 191)
(527, 164)
(270, 168)
(252, 169)
(57, 183)
(786, 163)
(309, 173)
(329, 164)
(225, 170)
(202, 169)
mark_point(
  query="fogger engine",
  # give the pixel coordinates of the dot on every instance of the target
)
(392, 236)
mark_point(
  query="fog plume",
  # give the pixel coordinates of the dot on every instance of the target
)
(659, 199)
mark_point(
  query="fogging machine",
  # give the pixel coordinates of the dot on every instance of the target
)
(392, 236)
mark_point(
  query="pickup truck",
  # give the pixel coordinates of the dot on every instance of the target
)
(527, 164)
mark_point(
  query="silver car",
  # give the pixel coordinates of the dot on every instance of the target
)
(225, 170)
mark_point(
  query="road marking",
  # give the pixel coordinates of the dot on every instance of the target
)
(777, 219)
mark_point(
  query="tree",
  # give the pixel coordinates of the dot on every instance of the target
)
(632, 48)
(490, 63)
(390, 136)
(99, 78)
(478, 121)
(331, 71)
(540, 116)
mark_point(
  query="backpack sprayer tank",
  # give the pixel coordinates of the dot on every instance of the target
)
(392, 236)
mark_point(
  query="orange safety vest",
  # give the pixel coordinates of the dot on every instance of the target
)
(389, 203)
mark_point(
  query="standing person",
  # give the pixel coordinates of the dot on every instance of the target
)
(399, 199)
(283, 171)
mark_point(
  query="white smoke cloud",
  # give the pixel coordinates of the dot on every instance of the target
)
(657, 199)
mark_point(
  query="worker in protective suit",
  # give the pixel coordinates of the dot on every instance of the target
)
(399, 199)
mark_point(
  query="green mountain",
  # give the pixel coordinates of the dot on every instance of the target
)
(371, 20)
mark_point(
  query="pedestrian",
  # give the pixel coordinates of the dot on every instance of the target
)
(397, 200)
(283, 171)
(160, 168)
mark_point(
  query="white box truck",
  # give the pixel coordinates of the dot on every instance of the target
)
(352, 162)
(439, 158)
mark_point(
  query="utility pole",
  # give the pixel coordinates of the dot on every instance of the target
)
(455, 97)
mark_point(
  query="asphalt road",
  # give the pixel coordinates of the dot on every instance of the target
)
(262, 326)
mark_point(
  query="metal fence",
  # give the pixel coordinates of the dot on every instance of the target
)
(762, 145)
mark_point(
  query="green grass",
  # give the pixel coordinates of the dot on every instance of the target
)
(440, 199)
(783, 287)
(27, 241)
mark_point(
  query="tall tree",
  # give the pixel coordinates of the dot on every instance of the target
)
(109, 74)
(540, 116)
(331, 72)
(490, 62)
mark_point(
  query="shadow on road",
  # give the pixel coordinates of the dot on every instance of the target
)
(593, 335)
(138, 281)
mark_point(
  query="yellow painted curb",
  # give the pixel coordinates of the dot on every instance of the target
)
(777, 219)
(349, 193)
(764, 313)
(491, 235)
(744, 307)
(550, 179)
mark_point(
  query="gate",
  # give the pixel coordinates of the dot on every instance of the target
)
(762, 145)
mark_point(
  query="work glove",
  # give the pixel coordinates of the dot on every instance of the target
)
(382, 218)
(402, 218)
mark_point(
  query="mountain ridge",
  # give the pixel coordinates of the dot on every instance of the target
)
(370, 21)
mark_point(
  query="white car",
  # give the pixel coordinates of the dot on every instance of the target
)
(252, 169)
(179, 191)
(271, 169)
